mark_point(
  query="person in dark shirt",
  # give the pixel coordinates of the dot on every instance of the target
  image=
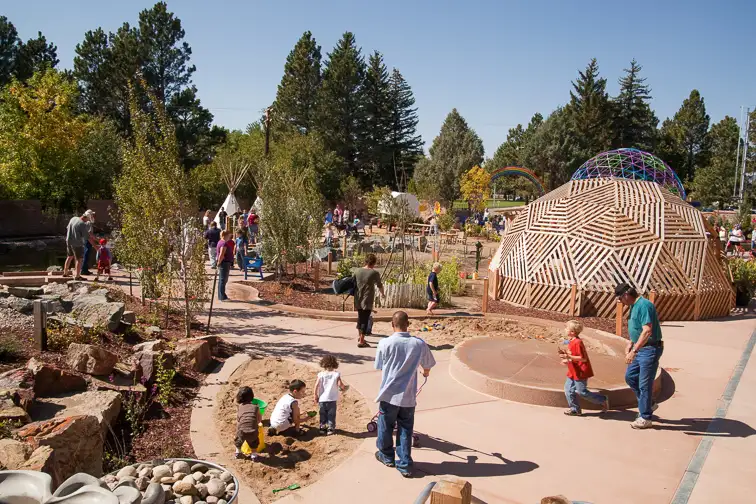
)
(366, 280)
(222, 215)
(225, 260)
(248, 422)
(212, 235)
(431, 288)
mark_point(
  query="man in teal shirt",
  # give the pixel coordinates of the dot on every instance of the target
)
(643, 351)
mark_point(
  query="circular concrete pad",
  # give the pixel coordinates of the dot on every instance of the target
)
(529, 371)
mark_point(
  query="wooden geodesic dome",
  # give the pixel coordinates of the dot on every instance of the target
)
(566, 252)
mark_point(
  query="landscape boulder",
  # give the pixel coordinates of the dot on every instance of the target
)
(152, 345)
(13, 454)
(76, 441)
(57, 289)
(21, 305)
(25, 292)
(153, 331)
(19, 383)
(105, 405)
(98, 311)
(129, 317)
(10, 411)
(194, 353)
(55, 304)
(90, 359)
(43, 459)
(147, 361)
(50, 380)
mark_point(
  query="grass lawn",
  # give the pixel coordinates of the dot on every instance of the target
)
(459, 204)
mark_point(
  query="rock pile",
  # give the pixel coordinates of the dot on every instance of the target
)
(176, 482)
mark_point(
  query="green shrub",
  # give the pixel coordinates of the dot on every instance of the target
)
(10, 350)
(7, 427)
(347, 264)
(445, 221)
(60, 338)
(449, 283)
(744, 275)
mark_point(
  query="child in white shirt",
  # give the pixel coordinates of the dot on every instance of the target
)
(327, 393)
(286, 415)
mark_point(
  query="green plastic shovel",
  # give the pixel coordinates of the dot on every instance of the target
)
(293, 486)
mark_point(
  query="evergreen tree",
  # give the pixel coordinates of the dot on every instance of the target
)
(455, 150)
(715, 181)
(590, 112)
(9, 47)
(404, 144)
(376, 158)
(197, 137)
(683, 138)
(552, 151)
(512, 153)
(297, 93)
(634, 121)
(340, 103)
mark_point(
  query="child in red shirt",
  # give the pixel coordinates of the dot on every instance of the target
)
(103, 260)
(578, 371)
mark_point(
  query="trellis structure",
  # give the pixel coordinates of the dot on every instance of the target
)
(566, 251)
(631, 164)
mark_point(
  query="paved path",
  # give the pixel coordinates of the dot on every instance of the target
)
(516, 453)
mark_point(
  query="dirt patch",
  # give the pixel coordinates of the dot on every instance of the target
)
(306, 458)
(448, 332)
(300, 291)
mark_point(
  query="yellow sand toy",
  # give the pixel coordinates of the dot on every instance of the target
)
(246, 450)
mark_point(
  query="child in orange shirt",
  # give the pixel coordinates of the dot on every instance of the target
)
(578, 371)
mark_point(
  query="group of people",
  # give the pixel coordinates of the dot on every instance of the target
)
(80, 241)
(398, 357)
(734, 239)
(642, 354)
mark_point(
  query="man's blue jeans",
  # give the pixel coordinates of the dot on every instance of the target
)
(223, 270)
(640, 376)
(574, 388)
(85, 260)
(404, 419)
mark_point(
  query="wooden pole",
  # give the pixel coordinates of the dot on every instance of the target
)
(40, 325)
(652, 296)
(267, 131)
(316, 275)
(131, 289)
(451, 492)
(618, 322)
(573, 296)
(344, 249)
(212, 298)
(330, 261)
(484, 302)
(697, 307)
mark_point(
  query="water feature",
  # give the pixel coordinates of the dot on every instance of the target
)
(33, 255)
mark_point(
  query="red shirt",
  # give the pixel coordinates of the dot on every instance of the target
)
(578, 370)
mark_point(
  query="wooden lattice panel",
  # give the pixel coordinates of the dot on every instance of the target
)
(596, 233)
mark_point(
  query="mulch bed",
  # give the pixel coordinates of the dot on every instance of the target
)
(300, 291)
(601, 324)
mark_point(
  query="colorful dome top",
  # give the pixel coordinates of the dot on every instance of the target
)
(631, 164)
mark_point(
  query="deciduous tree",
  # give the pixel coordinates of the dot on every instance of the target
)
(476, 187)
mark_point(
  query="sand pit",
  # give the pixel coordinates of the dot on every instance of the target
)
(301, 460)
(449, 332)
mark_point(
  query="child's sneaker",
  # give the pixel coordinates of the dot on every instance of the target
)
(605, 406)
(641, 423)
(272, 431)
(331, 432)
(571, 412)
(240, 456)
(323, 430)
(110, 279)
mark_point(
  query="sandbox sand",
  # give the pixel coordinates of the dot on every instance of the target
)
(301, 460)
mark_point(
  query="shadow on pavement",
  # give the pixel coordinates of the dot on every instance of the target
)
(301, 351)
(717, 427)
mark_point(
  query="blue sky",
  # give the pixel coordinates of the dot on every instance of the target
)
(497, 62)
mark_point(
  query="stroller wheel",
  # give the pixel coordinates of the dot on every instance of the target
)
(372, 427)
(415, 441)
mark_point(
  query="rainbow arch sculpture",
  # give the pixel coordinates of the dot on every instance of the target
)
(519, 171)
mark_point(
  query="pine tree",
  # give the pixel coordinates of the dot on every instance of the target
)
(340, 112)
(374, 150)
(197, 137)
(21, 60)
(404, 144)
(455, 150)
(9, 47)
(683, 142)
(634, 121)
(715, 181)
(297, 93)
(590, 112)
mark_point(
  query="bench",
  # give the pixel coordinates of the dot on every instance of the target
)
(253, 263)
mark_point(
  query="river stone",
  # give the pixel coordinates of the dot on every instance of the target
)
(127, 481)
(168, 489)
(91, 359)
(141, 483)
(186, 499)
(184, 488)
(128, 495)
(199, 467)
(13, 454)
(216, 487)
(226, 477)
(182, 467)
(144, 472)
(211, 499)
(168, 480)
(98, 311)
(154, 494)
(161, 471)
(216, 472)
(222, 501)
(230, 488)
(202, 490)
(126, 471)
(188, 479)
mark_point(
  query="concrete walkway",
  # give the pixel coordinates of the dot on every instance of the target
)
(517, 453)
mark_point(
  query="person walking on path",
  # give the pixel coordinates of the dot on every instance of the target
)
(77, 236)
(206, 219)
(398, 358)
(432, 288)
(225, 261)
(213, 236)
(579, 369)
(88, 246)
(366, 280)
(222, 216)
(643, 351)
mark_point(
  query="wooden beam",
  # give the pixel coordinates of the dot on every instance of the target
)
(618, 323)
(484, 302)
(40, 325)
(330, 261)
(451, 492)
(697, 307)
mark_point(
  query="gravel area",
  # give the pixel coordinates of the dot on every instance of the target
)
(11, 320)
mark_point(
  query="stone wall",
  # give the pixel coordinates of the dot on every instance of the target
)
(26, 218)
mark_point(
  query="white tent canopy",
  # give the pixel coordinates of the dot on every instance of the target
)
(401, 198)
(232, 174)
(230, 205)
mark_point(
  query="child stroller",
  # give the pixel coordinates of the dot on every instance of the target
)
(372, 425)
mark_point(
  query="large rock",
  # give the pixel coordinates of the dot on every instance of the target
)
(25, 292)
(10, 411)
(153, 345)
(129, 317)
(105, 405)
(50, 381)
(194, 353)
(98, 311)
(76, 440)
(57, 289)
(21, 305)
(90, 359)
(147, 362)
(19, 384)
(55, 303)
(43, 459)
(13, 454)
